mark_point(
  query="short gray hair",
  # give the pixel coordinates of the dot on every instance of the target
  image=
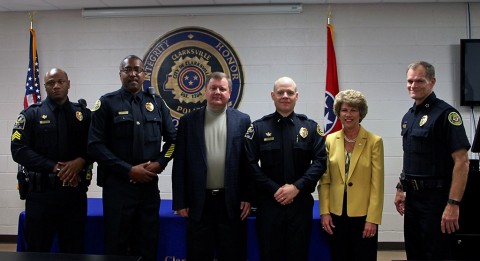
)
(429, 69)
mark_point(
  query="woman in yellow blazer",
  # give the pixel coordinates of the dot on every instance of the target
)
(351, 191)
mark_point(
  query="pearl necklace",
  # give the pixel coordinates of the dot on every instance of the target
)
(350, 140)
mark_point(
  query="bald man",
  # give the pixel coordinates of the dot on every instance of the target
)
(49, 139)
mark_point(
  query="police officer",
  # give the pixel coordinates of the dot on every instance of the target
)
(291, 151)
(50, 140)
(435, 169)
(126, 140)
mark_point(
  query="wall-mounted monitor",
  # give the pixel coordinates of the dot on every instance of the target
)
(470, 72)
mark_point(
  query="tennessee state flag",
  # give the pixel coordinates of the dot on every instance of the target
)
(330, 121)
(32, 86)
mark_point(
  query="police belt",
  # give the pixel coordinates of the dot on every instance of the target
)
(416, 183)
(40, 182)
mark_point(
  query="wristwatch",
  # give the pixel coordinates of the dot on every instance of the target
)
(453, 202)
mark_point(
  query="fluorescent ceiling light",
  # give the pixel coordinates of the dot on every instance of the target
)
(193, 10)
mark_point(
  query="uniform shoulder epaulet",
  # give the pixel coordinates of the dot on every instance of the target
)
(107, 95)
(32, 106)
(266, 117)
(302, 116)
(111, 93)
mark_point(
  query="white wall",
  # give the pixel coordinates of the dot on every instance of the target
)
(374, 43)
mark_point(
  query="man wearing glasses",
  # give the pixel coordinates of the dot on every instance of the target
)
(126, 140)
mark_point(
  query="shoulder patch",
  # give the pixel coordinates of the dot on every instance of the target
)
(97, 105)
(319, 130)
(250, 132)
(20, 122)
(454, 118)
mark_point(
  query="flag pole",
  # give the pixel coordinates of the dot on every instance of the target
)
(32, 86)
(329, 14)
(31, 15)
(331, 122)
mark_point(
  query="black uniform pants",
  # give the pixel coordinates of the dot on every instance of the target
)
(216, 234)
(347, 243)
(131, 217)
(424, 239)
(61, 211)
(284, 231)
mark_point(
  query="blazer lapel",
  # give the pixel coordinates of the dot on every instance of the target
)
(199, 134)
(340, 153)
(230, 126)
(357, 150)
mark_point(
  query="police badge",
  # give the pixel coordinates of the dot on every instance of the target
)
(149, 106)
(303, 132)
(423, 120)
(79, 115)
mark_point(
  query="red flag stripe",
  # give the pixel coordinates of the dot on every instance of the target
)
(331, 123)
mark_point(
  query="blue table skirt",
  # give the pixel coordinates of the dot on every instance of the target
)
(172, 234)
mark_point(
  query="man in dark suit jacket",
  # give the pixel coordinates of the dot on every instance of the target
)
(209, 179)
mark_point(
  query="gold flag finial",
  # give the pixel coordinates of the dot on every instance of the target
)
(31, 15)
(329, 14)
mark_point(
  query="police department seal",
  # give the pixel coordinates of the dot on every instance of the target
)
(178, 63)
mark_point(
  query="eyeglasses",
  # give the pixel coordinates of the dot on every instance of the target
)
(52, 82)
(130, 69)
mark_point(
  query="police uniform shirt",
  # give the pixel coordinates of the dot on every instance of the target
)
(431, 132)
(35, 137)
(111, 135)
(305, 158)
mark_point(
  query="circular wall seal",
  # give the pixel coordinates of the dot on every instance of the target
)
(177, 65)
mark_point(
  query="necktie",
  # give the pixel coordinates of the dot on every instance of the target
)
(138, 139)
(287, 143)
(62, 133)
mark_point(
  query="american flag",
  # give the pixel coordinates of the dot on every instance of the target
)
(32, 86)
